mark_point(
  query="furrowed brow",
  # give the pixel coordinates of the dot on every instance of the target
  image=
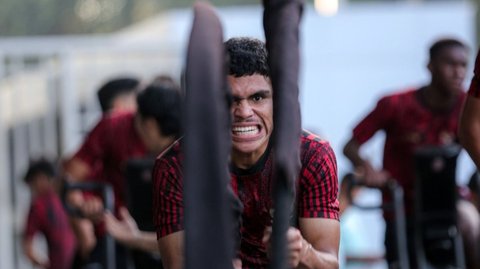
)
(262, 93)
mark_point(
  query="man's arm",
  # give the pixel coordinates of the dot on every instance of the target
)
(323, 235)
(314, 245)
(32, 227)
(76, 170)
(171, 250)
(469, 126)
(351, 150)
(84, 232)
(363, 168)
(32, 256)
(168, 208)
(469, 129)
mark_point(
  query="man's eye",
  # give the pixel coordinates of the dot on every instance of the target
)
(257, 98)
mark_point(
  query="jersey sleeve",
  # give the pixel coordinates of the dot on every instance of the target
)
(474, 89)
(94, 146)
(168, 197)
(33, 222)
(377, 119)
(318, 189)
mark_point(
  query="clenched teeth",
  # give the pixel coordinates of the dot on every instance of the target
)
(245, 130)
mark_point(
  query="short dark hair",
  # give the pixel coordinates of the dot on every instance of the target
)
(39, 167)
(113, 88)
(162, 101)
(247, 56)
(444, 43)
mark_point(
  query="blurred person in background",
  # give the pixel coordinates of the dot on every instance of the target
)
(48, 217)
(118, 95)
(117, 138)
(416, 117)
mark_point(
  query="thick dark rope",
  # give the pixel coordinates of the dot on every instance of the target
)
(281, 23)
(209, 243)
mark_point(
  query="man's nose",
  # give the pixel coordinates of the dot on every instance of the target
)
(242, 109)
(460, 71)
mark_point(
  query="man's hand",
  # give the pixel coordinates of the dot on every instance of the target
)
(297, 246)
(35, 259)
(363, 168)
(370, 176)
(124, 230)
(42, 263)
(92, 208)
(237, 263)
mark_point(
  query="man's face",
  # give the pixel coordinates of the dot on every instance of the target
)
(125, 102)
(449, 68)
(40, 183)
(252, 114)
(150, 133)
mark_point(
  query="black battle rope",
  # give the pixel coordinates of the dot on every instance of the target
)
(208, 236)
(281, 20)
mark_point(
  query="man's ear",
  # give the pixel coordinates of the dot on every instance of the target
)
(149, 122)
(429, 66)
(152, 124)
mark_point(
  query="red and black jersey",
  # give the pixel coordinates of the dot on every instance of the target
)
(107, 149)
(474, 89)
(317, 190)
(408, 124)
(47, 216)
(168, 191)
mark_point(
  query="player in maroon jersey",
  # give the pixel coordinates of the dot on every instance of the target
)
(48, 217)
(313, 243)
(118, 94)
(117, 138)
(469, 130)
(416, 117)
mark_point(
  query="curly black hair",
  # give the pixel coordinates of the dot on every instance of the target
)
(247, 56)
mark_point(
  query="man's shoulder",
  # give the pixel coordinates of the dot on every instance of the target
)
(118, 118)
(40, 202)
(114, 123)
(168, 166)
(311, 142)
(310, 137)
(402, 94)
(171, 153)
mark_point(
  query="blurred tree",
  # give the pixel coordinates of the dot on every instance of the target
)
(49, 17)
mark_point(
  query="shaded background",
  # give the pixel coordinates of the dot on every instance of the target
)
(55, 54)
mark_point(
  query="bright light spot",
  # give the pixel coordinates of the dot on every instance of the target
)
(88, 10)
(326, 7)
(98, 10)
